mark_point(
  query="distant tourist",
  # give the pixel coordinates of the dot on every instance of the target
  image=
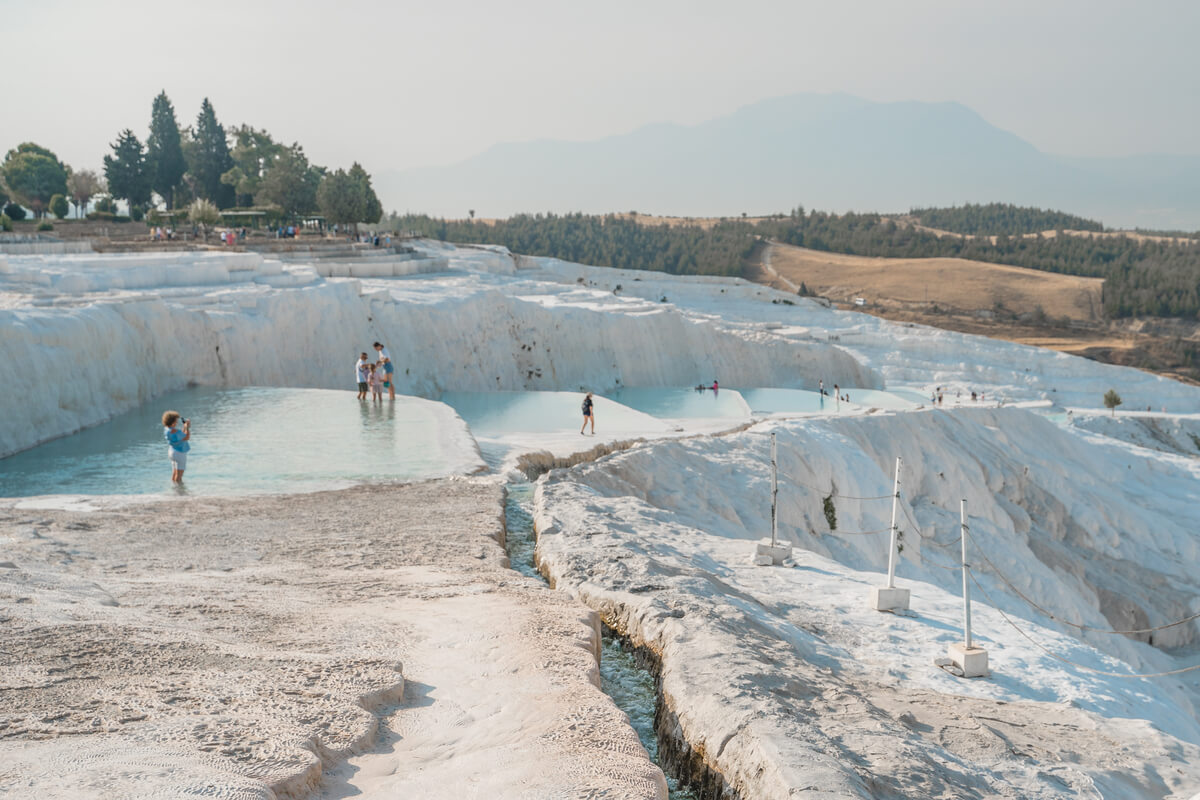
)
(821, 387)
(589, 413)
(716, 386)
(389, 369)
(837, 394)
(360, 374)
(177, 443)
(376, 380)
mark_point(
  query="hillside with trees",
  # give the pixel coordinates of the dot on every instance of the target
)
(992, 219)
(604, 241)
(1143, 277)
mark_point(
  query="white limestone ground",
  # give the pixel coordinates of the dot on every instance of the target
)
(784, 678)
(238, 648)
(778, 678)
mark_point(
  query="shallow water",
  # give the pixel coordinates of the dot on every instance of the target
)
(685, 403)
(874, 398)
(245, 441)
(796, 401)
(800, 401)
(631, 687)
(500, 413)
(519, 539)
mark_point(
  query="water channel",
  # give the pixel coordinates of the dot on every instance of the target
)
(630, 686)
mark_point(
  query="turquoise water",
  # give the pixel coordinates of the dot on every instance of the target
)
(795, 401)
(632, 688)
(244, 441)
(799, 401)
(519, 539)
(873, 398)
(685, 403)
(912, 395)
(500, 413)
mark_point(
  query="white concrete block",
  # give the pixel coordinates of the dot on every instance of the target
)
(885, 599)
(777, 553)
(972, 661)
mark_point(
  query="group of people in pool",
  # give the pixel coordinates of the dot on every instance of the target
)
(377, 376)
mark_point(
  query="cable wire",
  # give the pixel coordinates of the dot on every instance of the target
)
(1053, 616)
(1076, 664)
(858, 533)
(930, 539)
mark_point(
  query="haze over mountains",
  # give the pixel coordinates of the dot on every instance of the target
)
(833, 152)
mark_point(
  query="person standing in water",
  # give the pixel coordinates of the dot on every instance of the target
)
(589, 413)
(360, 374)
(177, 443)
(389, 370)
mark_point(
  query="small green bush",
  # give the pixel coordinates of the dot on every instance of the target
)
(45, 225)
(59, 206)
(830, 512)
(14, 212)
(137, 213)
(5, 223)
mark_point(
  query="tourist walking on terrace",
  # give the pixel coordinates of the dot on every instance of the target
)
(360, 375)
(589, 413)
(177, 443)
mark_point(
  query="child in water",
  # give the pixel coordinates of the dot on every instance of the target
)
(376, 381)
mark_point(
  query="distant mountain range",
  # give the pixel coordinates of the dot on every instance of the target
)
(833, 152)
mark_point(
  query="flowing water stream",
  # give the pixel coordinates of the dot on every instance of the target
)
(630, 686)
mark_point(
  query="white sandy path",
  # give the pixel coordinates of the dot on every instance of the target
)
(482, 718)
(236, 648)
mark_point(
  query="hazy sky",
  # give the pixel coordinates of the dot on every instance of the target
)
(395, 84)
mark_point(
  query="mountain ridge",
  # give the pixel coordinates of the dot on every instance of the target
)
(835, 152)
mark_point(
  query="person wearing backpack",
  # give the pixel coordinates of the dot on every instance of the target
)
(589, 413)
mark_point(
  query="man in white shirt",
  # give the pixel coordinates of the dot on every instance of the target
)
(360, 374)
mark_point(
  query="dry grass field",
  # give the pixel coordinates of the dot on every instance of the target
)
(953, 285)
(983, 299)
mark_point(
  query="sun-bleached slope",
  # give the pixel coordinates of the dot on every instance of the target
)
(784, 678)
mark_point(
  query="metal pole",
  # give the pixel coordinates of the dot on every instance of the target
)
(965, 576)
(774, 493)
(895, 532)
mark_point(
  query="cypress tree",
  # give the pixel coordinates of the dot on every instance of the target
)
(164, 151)
(212, 158)
(127, 172)
(372, 208)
